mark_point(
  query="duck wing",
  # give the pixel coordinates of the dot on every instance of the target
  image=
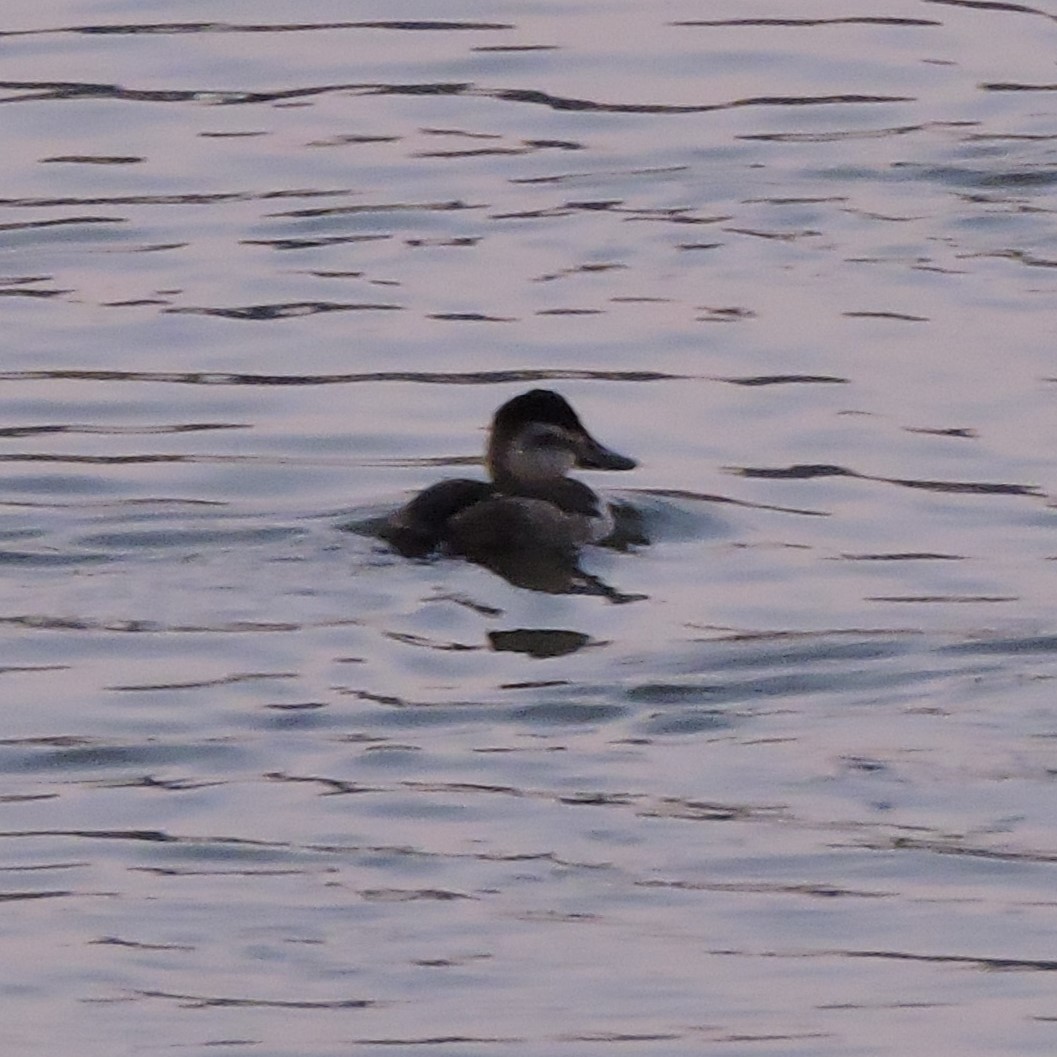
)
(422, 524)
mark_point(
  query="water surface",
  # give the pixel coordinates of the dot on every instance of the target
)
(786, 788)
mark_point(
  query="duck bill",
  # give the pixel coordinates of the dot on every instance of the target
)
(595, 456)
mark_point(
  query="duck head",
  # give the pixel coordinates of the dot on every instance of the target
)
(538, 437)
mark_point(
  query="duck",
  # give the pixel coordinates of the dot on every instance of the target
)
(529, 510)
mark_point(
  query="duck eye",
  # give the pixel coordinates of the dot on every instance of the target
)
(548, 437)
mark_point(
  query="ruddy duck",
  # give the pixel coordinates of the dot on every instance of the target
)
(529, 509)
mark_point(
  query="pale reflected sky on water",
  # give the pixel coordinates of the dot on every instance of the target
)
(785, 782)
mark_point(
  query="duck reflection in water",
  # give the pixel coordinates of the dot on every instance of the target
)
(529, 522)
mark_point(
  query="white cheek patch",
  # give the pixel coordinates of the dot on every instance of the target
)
(535, 462)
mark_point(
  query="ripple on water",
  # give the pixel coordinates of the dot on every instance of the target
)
(777, 771)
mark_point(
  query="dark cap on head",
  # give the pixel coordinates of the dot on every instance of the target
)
(537, 405)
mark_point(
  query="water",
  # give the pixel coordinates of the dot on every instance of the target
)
(787, 789)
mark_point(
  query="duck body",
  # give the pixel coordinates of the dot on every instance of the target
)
(530, 509)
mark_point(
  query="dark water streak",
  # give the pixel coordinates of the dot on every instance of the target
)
(72, 90)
